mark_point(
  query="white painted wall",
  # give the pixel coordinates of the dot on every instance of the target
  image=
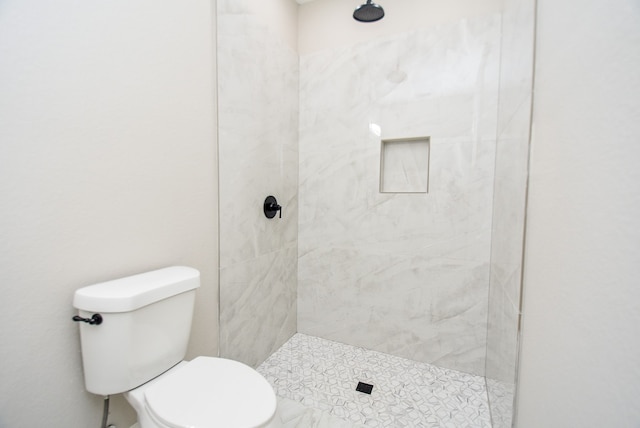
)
(580, 360)
(107, 168)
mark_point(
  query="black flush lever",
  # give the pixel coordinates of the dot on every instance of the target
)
(271, 206)
(96, 319)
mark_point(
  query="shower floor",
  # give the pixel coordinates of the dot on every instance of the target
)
(315, 380)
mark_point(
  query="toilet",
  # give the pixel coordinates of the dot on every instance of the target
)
(134, 333)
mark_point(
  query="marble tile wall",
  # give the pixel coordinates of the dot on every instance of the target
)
(512, 153)
(404, 274)
(257, 72)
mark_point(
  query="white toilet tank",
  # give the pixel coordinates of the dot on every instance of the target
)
(145, 328)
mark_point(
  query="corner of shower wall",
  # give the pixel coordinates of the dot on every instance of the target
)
(511, 175)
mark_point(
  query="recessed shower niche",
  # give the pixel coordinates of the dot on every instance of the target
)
(404, 165)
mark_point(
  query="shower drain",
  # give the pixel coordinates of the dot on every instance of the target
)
(364, 387)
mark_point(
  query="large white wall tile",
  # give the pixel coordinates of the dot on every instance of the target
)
(258, 305)
(516, 65)
(401, 273)
(507, 235)
(258, 149)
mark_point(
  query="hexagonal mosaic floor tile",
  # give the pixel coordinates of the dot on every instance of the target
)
(323, 375)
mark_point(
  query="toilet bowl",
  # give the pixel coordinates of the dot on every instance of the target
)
(206, 392)
(147, 319)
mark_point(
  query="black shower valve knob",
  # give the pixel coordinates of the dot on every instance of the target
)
(270, 207)
(276, 207)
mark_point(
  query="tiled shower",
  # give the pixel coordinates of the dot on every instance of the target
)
(429, 275)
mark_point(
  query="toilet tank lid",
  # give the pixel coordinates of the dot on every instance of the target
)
(133, 292)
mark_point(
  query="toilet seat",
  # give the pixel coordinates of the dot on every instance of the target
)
(212, 392)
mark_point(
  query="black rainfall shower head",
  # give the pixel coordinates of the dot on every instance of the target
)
(368, 12)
